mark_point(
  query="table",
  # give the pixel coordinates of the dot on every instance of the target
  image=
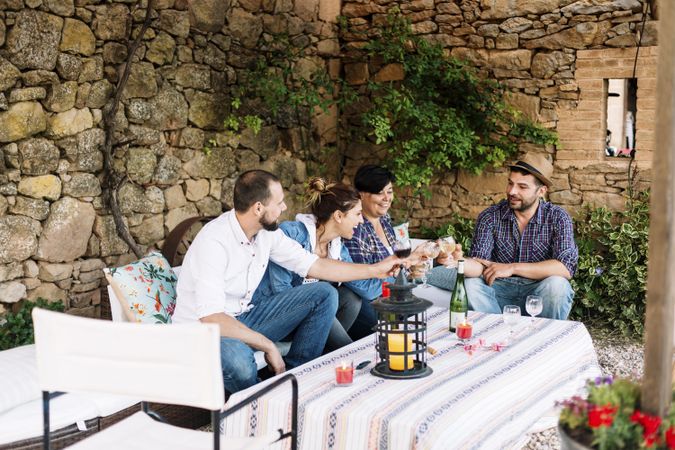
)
(487, 400)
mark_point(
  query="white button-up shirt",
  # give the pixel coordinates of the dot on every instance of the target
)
(222, 268)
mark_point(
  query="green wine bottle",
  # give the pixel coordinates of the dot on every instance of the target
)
(459, 304)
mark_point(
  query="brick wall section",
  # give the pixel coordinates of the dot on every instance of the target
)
(554, 57)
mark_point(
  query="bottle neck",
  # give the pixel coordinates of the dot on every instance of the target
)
(460, 267)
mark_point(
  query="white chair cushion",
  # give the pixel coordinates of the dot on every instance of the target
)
(25, 421)
(141, 432)
(439, 297)
(19, 377)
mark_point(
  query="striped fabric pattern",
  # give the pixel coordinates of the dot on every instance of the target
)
(486, 400)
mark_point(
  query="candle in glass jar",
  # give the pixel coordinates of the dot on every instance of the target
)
(395, 342)
(344, 373)
(385, 290)
(464, 330)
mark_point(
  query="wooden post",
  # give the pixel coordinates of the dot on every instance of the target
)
(656, 387)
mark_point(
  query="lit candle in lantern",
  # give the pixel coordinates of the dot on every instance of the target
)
(395, 342)
(464, 330)
(344, 373)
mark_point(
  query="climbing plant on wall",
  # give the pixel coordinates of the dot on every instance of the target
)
(283, 87)
(442, 115)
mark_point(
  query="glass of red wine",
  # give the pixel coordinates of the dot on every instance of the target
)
(402, 249)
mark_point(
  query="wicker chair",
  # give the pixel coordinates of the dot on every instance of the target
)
(178, 365)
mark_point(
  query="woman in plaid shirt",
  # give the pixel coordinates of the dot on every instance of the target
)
(373, 239)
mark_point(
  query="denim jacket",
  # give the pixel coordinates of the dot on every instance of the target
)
(303, 230)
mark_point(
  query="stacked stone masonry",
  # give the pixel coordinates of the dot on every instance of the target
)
(61, 59)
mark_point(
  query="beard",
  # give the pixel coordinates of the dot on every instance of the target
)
(524, 204)
(269, 225)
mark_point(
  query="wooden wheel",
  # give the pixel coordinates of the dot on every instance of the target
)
(179, 239)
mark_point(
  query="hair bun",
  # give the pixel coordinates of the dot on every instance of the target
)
(317, 184)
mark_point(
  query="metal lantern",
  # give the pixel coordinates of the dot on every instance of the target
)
(401, 333)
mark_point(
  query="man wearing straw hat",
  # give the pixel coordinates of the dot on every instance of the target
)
(522, 246)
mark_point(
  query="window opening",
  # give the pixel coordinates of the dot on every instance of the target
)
(621, 117)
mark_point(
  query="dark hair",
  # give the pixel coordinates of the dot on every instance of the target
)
(537, 182)
(371, 178)
(324, 199)
(252, 186)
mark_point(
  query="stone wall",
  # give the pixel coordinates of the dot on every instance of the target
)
(553, 55)
(59, 63)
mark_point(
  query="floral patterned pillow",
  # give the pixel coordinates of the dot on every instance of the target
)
(146, 289)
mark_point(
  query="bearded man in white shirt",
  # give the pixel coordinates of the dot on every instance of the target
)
(224, 266)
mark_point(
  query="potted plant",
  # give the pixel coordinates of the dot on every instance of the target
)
(610, 418)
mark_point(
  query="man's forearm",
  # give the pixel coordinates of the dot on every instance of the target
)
(232, 328)
(541, 270)
(333, 270)
(472, 268)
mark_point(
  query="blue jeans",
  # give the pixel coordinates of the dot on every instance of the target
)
(556, 292)
(365, 322)
(349, 305)
(307, 311)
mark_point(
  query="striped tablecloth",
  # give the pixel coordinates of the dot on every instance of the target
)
(488, 400)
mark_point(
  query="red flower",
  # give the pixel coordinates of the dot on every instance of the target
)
(601, 416)
(670, 438)
(650, 426)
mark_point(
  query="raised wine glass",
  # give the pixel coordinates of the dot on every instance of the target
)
(402, 248)
(534, 305)
(511, 319)
(447, 245)
(430, 250)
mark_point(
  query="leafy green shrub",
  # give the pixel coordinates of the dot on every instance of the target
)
(18, 327)
(443, 115)
(610, 283)
(459, 228)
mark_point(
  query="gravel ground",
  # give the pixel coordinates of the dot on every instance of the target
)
(618, 356)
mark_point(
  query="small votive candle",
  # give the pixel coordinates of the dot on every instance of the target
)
(464, 330)
(344, 373)
(385, 290)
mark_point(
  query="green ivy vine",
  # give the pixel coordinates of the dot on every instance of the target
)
(443, 115)
(275, 90)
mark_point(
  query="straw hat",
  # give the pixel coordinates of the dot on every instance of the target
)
(537, 165)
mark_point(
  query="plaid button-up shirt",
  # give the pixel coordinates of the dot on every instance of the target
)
(365, 247)
(548, 235)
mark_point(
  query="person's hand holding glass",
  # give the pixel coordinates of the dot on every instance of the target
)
(450, 251)
(511, 319)
(426, 252)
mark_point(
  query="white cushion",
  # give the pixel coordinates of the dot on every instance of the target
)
(439, 297)
(18, 374)
(143, 433)
(25, 421)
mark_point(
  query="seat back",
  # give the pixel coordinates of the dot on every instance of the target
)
(179, 364)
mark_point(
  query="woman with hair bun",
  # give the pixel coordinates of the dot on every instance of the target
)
(335, 212)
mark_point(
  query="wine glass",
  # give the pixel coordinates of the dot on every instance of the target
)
(447, 245)
(402, 249)
(511, 318)
(534, 305)
(427, 265)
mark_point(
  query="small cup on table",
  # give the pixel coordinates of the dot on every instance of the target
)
(344, 373)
